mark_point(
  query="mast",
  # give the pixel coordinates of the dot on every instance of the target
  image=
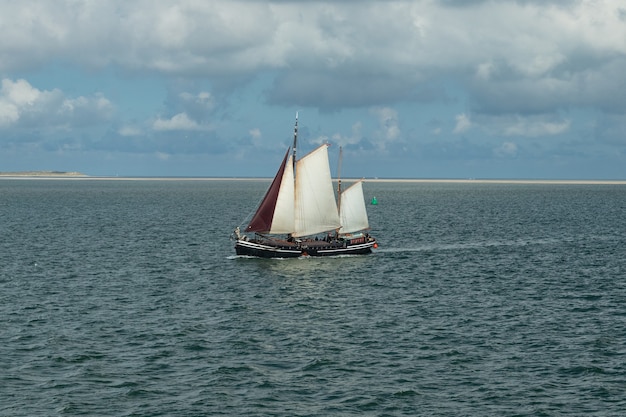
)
(339, 178)
(295, 140)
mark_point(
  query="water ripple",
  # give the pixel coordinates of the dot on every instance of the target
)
(125, 298)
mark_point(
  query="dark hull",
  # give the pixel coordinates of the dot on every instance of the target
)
(283, 249)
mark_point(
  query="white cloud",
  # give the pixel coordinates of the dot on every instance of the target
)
(255, 133)
(178, 122)
(19, 92)
(200, 104)
(463, 123)
(255, 136)
(130, 131)
(343, 140)
(530, 126)
(534, 128)
(389, 127)
(378, 51)
(23, 105)
(9, 113)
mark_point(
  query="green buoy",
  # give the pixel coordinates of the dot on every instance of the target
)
(374, 201)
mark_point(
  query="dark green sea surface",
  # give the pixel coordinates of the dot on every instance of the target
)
(124, 298)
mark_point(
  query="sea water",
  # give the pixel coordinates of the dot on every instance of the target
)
(125, 298)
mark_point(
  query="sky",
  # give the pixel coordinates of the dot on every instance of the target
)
(529, 89)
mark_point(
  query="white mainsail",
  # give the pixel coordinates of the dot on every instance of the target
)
(283, 219)
(315, 205)
(352, 210)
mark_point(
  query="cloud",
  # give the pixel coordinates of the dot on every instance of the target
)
(186, 111)
(24, 106)
(209, 73)
(334, 55)
(463, 123)
(198, 106)
(9, 113)
(130, 131)
(255, 133)
(255, 136)
(355, 137)
(534, 128)
(389, 130)
(180, 121)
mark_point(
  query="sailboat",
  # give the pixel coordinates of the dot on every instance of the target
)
(299, 215)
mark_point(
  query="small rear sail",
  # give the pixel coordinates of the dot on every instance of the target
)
(275, 213)
(352, 211)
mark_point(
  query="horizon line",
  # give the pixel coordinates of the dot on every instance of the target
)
(59, 175)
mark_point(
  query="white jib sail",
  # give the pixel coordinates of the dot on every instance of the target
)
(283, 220)
(315, 205)
(352, 211)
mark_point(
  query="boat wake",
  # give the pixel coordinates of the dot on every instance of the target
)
(473, 245)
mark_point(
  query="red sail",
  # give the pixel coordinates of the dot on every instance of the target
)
(262, 220)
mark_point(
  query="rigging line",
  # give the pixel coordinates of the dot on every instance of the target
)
(246, 219)
(339, 180)
(295, 142)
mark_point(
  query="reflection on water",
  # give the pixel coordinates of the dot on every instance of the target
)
(310, 268)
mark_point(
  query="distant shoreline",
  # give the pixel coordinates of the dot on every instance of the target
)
(61, 175)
